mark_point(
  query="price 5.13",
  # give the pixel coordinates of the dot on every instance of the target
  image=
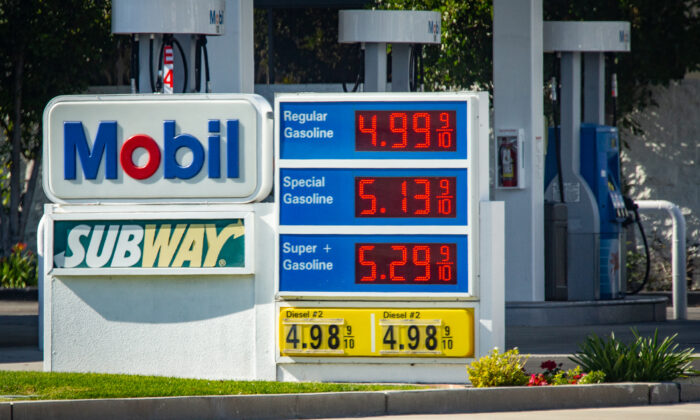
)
(422, 197)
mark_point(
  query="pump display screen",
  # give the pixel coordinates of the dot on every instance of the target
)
(405, 263)
(413, 130)
(405, 196)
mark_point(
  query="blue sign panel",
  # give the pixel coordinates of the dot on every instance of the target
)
(374, 263)
(373, 130)
(373, 196)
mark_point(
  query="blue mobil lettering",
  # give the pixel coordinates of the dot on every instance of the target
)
(216, 17)
(104, 147)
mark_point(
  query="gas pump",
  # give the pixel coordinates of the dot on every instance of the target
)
(587, 165)
(169, 24)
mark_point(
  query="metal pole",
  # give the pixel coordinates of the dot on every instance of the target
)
(680, 296)
(375, 67)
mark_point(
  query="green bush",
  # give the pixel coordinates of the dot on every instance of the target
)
(643, 360)
(19, 269)
(576, 376)
(498, 370)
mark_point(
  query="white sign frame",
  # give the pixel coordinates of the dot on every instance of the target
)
(254, 153)
(477, 189)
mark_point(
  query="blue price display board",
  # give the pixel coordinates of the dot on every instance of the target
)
(373, 130)
(373, 263)
(373, 196)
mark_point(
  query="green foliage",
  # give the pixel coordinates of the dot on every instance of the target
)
(643, 360)
(496, 369)
(593, 377)
(635, 263)
(305, 47)
(18, 270)
(464, 59)
(60, 386)
(576, 376)
(664, 37)
(47, 48)
(663, 41)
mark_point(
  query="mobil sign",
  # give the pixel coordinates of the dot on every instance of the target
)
(152, 148)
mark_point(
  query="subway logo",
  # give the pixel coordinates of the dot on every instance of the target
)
(149, 243)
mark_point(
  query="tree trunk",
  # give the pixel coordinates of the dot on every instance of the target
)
(15, 163)
(28, 196)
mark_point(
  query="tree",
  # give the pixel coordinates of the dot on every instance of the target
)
(465, 57)
(47, 48)
(664, 41)
(305, 47)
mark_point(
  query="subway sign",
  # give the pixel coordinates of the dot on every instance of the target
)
(185, 245)
(143, 148)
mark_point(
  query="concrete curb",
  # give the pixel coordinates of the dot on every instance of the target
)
(357, 404)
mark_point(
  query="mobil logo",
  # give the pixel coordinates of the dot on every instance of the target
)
(182, 155)
(157, 148)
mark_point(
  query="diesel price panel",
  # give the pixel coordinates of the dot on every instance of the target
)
(380, 332)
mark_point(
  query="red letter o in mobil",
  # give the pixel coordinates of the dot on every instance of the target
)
(127, 152)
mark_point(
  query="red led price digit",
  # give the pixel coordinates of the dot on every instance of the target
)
(405, 263)
(445, 198)
(445, 265)
(394, 264)
(425, 129)
(404, 197)
(401, 129)
(364, 262)
(422, 262)
(425, 196)
(445, 132)
(371, 130)
(371, 197)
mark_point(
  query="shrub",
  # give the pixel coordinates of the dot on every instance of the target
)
(496, 369)
(19, 269)
(643, 360)
(576, 376)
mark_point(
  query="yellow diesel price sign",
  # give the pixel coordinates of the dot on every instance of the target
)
(391, 332)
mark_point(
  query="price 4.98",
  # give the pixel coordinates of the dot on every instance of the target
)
(415, 337)
(320, 337)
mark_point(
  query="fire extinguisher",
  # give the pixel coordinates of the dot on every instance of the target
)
(508, 159)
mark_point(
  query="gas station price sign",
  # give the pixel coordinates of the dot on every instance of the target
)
(405, 196)
(378, 332)
(357, 196)
(375, 199)
(383, 129)
(373, 263)
(409, 263)
(405, 131)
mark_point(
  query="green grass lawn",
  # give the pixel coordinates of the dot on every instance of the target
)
(58, 386)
